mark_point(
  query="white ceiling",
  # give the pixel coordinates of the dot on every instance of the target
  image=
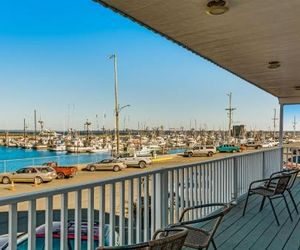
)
(243, 40)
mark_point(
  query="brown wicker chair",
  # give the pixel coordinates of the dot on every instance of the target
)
(163, 239)
(200, 235)
(271, 188)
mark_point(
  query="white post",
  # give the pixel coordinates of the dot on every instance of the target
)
(281, 125)
(281, 133)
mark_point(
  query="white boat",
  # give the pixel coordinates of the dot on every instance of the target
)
(39, 146)
(98, 150)
(148, 150)
(78, 149)
(58, 147)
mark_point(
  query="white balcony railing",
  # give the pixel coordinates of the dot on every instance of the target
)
(135, 205)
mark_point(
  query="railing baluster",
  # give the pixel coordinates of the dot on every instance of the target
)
(153, 203)
(49, 223)
(91, 219)
(122, 213)
(181, 198)
(101, 235)
(171, 197)
(186, 186)
(112, 215)
(196, 197)
(138, 211)
(191, 187)
(31, 224)
(130, 211)
(12, 226)
(176, 187)
(77, 241)
(64, 222)
(146, 208)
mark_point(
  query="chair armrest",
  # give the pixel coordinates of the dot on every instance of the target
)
(225, 206)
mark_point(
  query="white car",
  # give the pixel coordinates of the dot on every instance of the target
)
(200, 151)
(134, 161)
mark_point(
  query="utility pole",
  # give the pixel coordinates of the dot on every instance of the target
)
(117, 135)
(274, 123)
(35, 126)
(24, 128)
(230, 110)
(294, 126)
(87, 125)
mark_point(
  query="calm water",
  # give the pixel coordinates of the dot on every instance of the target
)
(12, 158)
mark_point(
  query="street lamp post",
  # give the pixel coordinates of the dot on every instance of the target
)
(117, 108)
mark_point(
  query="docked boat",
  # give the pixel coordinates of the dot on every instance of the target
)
(98, 150)
(78, 149)
(58, 147)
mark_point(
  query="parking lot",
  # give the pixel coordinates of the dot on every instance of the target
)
(86, 176)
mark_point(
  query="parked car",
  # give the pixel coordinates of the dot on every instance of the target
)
(200, 151)
(29, 174)
(62, 171)
(22, 239)
(253, 144)
(228, 148)
(134, 161)
(107, 164)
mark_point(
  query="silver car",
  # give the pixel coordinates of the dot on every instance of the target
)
(29, 174)
(107, 164)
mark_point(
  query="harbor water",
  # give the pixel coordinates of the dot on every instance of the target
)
(13, 158)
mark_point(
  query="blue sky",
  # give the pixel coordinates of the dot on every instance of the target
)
(54, 58)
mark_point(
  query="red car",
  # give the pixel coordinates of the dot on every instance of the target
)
(62, 171)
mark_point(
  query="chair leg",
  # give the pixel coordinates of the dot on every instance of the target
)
(287, 207)
(245, 206)
(273, 209)
(214, 244)
(293, 201)
(262, 204)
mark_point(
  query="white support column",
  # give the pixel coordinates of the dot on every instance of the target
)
(281, 134)
(281, 125)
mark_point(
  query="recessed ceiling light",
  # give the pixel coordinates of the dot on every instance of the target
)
(273, 64)
(216, 7)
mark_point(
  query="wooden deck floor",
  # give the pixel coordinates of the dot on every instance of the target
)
(258, 230)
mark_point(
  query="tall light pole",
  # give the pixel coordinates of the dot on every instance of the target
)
(117, 135)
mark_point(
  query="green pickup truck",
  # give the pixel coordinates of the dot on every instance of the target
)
(228, 148)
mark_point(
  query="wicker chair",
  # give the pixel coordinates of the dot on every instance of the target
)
(163, 239)
(200, 237)
(271, 188)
